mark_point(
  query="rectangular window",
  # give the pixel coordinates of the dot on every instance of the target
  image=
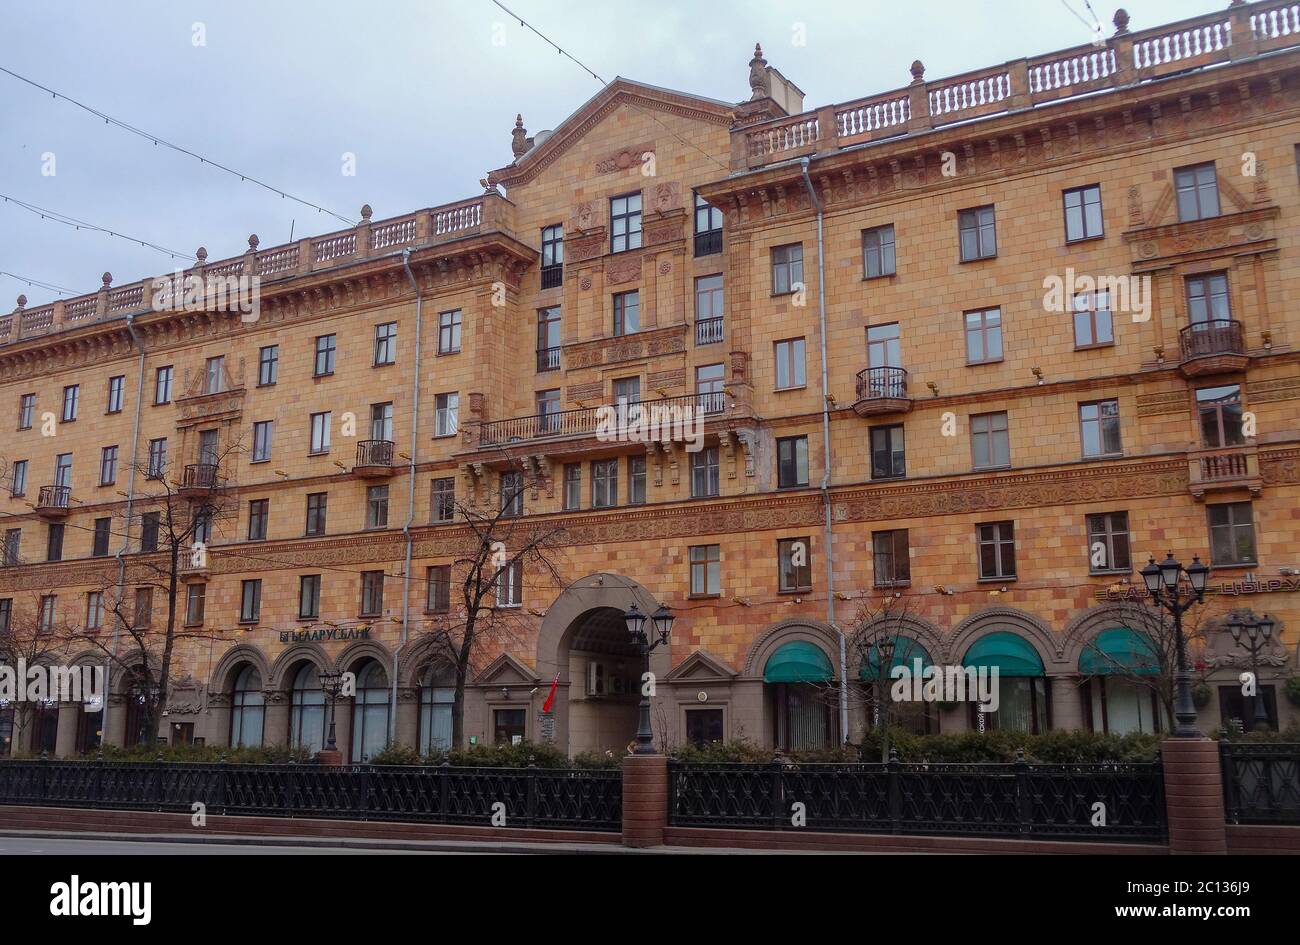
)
(708, 309)
(13, 540)
(548, 406)
(787, 268)
(202, 517)
(878, 251)
(262, 431)
(1232, 533)
(705, 481)
(259, 512)
(884, 351)
(157, 465)
(449, 332)
(102, 535)
(627, 313)
(71, 394)
(572, 486)
(149, 525)
(195, 598)
(1099, 428)
(372, 593)
(704, 726)
(552, 256)
(990, 441)
(47, 618)
(108, 465)
(94, 611)
(444, 500)
(1108, 543)
(891, 558)
(1219, 410)
(510, 585)
(116, 388)
(710, 388)
(978, 234)
(381, 422)
(636, 480)
(1197, 188)
(6, 613)
(26, 411)
(143, 615)
(790, 363)
(386, 344)
(624, 222)
(325, 349)
(708, 228)
(317, 507)
(446, 411)
(1092, 320)
(438, 589)
(791, 462)
(997, 550)
(309, 597)
(377, 507)
(794, 564)
(604, 483)
(888, 452)
(1208, 304)
(250, 601)
(509, 726)
(268, 365)
(983, 336)
(162, 385)
(512, 494)
(548, 339)
(1082, 213)
(63, 471)
(320, 432)
(706, 570)
(214, 377)
(18, 487)
(54, 542)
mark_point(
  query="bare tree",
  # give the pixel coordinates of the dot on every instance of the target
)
(500, 553)
(25, 642)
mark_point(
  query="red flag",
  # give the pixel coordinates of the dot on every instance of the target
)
(550, 698)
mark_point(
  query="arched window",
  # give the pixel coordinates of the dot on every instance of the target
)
(800, 681)
(437, 694)
(370, 712)
(1023, 702)
(307, 710)
(247, 708)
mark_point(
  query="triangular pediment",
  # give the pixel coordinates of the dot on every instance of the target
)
(505, 670)
(701, 665)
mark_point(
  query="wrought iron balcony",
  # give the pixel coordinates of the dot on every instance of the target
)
(708, 243)
(553, 276)
(882, 390)
(1213, 347)
(54, 501)
(708, 331)
(584, 421)
(548, 359)
(374, 458)
(199, 478)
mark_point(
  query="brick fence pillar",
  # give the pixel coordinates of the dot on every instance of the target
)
(645, 800)
(1194, 795)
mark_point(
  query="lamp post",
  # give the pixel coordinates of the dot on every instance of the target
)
(884, 648)
(145, 696)
(662, 627)
(331, 684)
(1257, 632)
(1175, 589)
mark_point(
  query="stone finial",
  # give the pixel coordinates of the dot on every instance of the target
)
(201, 254)
(22, 301)
(519, 137)
(1121, 22)
(759, 80)
(252, 242)
(366, 212)
(918, 71)
(107, 279)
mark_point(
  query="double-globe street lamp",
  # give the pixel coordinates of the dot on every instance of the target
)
(1177, 589)
(1258, 631)
(662, 621)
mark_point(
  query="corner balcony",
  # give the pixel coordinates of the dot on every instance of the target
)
(53, 502)
(882, 390)
(1212, 347)
(199, 480)
(374, 459)
(1223, 470)
(587, 421)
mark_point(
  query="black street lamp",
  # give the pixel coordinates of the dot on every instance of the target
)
(1257, 631)
(1176, 589)
(331, 684)
(884, 663)
(662, 629)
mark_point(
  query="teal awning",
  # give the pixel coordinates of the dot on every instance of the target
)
(798, 661)
(1012, 655)
(1119, 650)
(906, 652)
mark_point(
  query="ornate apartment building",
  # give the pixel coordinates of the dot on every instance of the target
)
(965, 354)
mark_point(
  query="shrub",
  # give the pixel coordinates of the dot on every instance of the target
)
(1293, 690)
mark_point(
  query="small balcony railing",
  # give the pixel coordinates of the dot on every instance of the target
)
(882, 382)
(553, 276)
(1217, 467)
(548, 359)
(1217, 336)
(582, 421)
(54, 499)
(708, 243)
(708, 331)
(375, 453)
(199, 476)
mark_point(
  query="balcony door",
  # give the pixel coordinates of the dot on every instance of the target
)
(208, 447)
(381, 422)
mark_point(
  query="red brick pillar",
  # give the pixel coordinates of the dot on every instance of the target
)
(327, 757)
(645, 800)
(1194, 795)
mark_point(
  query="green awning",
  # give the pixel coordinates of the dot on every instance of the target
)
(798, 661)
(1011, 654)
(906, 652)
(1119, 650)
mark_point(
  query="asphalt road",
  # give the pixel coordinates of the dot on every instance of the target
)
(54, 846)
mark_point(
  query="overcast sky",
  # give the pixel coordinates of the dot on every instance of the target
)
(423, 92)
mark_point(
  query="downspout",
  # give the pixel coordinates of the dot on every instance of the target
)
(826, 455)
(126, 532)
(410, 499)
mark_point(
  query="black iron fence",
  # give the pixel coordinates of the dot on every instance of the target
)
(1107, 802)
(529, 797)
(1261, 782)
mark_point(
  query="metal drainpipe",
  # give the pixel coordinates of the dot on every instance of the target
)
(126, 532)
(410, 501)
(826, 456)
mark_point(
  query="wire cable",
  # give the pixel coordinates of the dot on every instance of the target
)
(77, 224)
